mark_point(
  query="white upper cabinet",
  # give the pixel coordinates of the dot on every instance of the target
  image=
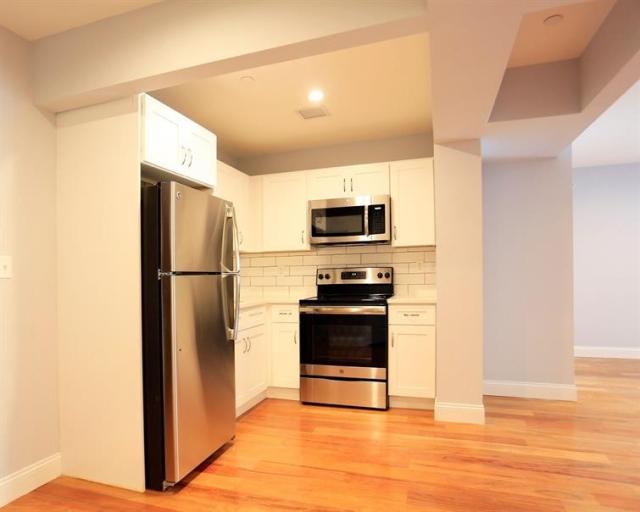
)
(284, 212)
(369, 179)
(238, 187)
(412, 202)
(176, 147)
(353, 180)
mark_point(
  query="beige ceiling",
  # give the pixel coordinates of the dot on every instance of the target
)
(34, 19)
(376, 91)
(538, 43)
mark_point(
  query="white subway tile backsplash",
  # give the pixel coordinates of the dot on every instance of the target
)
(361, 249)
(293, 274)
(276, 271)
(289, 260)
(316, 260)
(309, 270)
(408, 257)
(302, 292)
(275, 291)
(251, 271)
(290, 281)
(332, 250)
(263, 281)
(408, 279)
(265, 261)
(377, 259)
(343, 259)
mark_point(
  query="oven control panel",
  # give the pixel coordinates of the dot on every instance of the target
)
(360, 275)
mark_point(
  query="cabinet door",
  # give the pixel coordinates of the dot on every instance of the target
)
(241, 369)
(257, 361)
(162, 145)
(327, 183)
(412, 361)
(284, 212)
(368, 179)
(412, 202)
(233, 185)
(285, 356)
(200, 144)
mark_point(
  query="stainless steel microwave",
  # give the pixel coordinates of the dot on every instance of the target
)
(350, 220)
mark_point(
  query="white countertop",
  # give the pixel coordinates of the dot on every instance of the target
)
(431, 298)
(428, 298)
(265, 301)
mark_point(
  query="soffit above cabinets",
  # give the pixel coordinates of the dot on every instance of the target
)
(539, 43)
(35, 19)
(375, 91)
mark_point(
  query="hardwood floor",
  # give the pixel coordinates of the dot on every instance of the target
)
(532, 455)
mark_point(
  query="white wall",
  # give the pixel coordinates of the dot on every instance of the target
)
(607, 260)
(99, 299)
(458, 192)
(361, 152)
(528, 261)
(28, 348)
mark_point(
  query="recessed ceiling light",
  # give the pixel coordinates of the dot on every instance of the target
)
(315, 95)
(247, 79)
(554, 19)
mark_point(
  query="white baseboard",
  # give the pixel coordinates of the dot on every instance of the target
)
(543, 390)
(607, 352)
(406, 402)
(250, 404)
(283, 393)
(27, 479)
(459, 412)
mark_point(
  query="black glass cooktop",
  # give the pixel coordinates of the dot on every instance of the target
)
(346, 300)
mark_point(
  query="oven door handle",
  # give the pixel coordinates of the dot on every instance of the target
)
(343, 310)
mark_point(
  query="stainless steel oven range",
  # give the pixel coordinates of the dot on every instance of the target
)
(343, 338)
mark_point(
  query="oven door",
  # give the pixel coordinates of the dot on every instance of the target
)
(344, 341)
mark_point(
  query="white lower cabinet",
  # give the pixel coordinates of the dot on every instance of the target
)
(251, 358)
(412, 356)
(285, 355)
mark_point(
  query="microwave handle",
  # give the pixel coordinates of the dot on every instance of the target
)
(366, 220)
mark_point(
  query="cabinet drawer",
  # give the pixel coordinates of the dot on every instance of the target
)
(252, 317)
(412, 315)
(284, 313)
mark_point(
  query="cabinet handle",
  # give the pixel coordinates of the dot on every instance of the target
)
(184, 154)
(241, 237)
(302, 236)
(344, 184)
(411, 314)
(351, 184)
(190, 157)
(295, 338)
(395, 232)
(249, 340)
(393, 340)
(244, 350)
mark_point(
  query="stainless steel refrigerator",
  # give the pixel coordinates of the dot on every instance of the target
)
(190, 269)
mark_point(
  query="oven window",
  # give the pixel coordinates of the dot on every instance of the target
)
(346, 221)
(344, 340)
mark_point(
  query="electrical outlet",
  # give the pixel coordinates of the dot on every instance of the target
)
(6, 267)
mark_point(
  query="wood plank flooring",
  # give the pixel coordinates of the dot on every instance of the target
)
(532, 455)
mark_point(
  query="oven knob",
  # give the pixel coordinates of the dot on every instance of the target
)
(379, 275)
(387, 275)
(326, 276)
(320, 276)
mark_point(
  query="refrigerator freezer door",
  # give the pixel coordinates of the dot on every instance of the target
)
(200, 378)
(192, 227)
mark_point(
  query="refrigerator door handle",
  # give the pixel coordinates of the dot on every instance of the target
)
(231, 327)
(230, 215)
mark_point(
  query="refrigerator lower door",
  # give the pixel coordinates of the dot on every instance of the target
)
(199, 373)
